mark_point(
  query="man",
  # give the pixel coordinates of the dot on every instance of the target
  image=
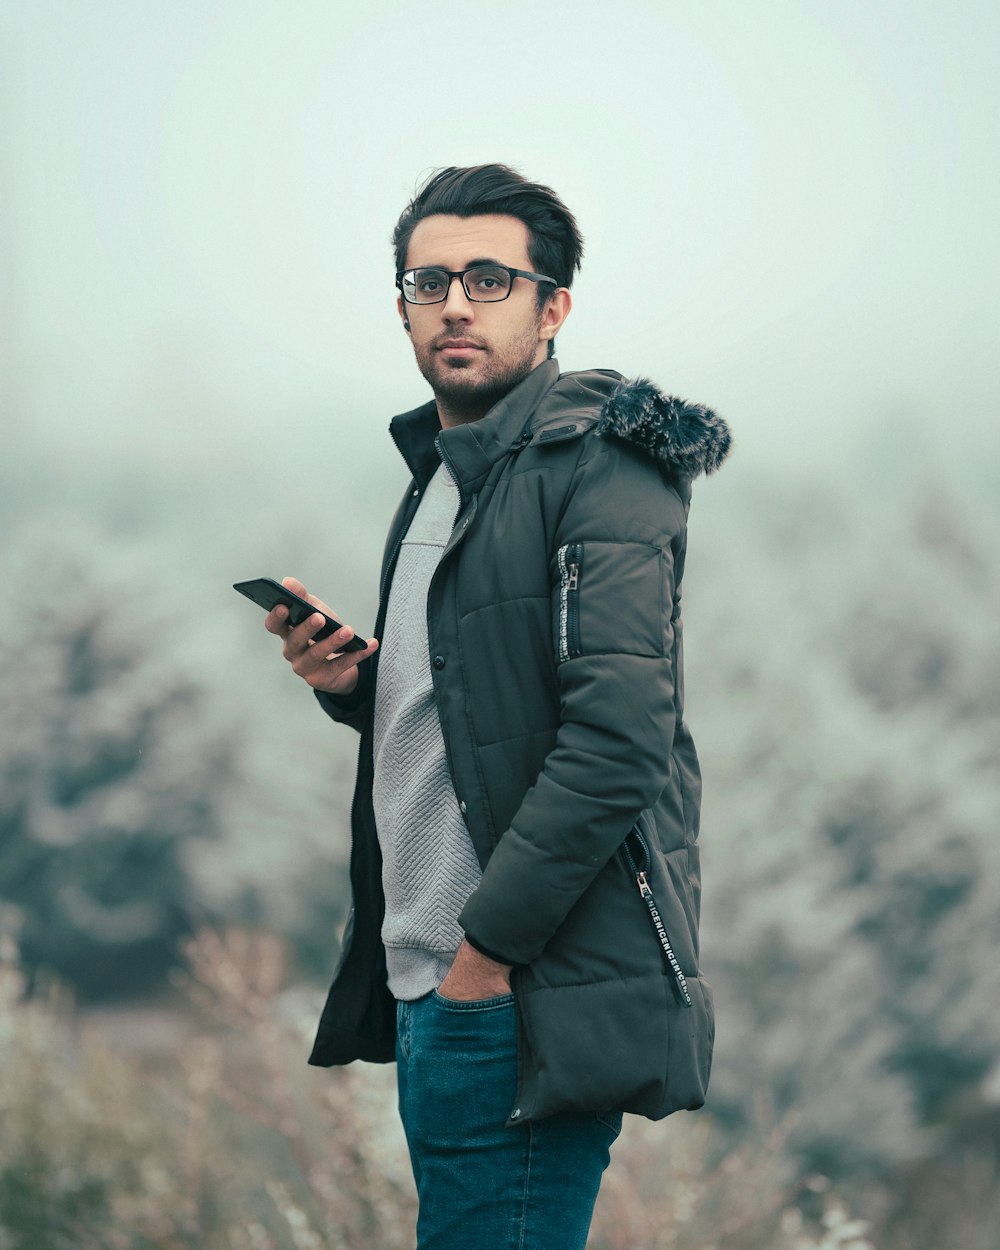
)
(524, 864)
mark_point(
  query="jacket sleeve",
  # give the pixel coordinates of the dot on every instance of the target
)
(618, 543)
(349, 709)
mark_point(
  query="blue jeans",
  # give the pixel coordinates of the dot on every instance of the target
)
(482, 1185)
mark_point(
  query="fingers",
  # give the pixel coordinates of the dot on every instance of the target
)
(319, 661)
(297, 588)
(299, 640)
(325, 668)
(276, 621)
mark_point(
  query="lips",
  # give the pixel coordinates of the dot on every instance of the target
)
(465, 345)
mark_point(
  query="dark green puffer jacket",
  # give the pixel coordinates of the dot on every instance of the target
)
(555, 646)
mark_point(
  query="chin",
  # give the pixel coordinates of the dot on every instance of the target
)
(458, 377)
(488, 377)
(461, 386)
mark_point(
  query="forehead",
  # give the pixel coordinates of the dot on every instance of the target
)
(454, 242)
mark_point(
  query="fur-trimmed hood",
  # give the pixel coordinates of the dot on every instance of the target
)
(685, 438)
(682, 438)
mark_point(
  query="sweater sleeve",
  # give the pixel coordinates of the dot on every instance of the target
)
(618, 546)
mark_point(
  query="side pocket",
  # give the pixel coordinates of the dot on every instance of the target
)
(637, 860)
(610, 598)
(570, 561)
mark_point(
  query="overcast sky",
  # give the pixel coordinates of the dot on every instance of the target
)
(790, 208)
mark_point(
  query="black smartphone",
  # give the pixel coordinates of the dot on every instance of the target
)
(267, 593)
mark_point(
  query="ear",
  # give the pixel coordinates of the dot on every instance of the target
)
(557, 309)
(402, 313)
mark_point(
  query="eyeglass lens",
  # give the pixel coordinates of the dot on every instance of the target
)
(484, 283)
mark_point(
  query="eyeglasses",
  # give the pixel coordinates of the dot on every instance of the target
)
(483, 284)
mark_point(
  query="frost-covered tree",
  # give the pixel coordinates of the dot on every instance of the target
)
(109, 769)
(849, 691)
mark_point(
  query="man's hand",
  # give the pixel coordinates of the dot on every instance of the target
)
(319, 664)
(473, 976)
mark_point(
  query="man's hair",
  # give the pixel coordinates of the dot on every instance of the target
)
(555, 244)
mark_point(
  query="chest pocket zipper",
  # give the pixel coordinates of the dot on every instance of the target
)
(639, 869)
(570, 559)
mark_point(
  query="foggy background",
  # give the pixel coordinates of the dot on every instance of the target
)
(789, 213)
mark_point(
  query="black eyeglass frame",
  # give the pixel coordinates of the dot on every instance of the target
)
(460, 274)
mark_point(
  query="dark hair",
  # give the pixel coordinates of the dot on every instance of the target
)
(555, 244)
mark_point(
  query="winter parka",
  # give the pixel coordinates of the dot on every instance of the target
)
(555, 647)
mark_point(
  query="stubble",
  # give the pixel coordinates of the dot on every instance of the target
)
(469, 388)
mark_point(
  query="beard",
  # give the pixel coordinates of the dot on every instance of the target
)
(470, 387)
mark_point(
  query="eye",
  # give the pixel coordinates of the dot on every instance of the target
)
(429, 281)
(489, 280)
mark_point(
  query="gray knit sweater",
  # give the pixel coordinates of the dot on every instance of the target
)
(429, 867)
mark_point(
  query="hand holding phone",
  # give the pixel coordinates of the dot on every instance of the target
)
(304, 622)
(267, 593)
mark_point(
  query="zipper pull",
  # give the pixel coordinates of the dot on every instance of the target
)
(574, 576)
(680, 980)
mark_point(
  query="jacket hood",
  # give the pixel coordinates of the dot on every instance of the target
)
(684, 438)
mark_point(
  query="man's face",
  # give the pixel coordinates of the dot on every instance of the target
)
(472, 353)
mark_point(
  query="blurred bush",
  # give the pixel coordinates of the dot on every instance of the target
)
(229, 1142)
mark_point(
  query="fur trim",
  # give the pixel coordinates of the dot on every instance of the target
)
(686, 438)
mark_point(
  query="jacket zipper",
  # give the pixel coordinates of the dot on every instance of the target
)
(646, 895)
(451, 470)
(570, 559)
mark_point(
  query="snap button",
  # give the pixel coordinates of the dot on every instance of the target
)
(439, 662)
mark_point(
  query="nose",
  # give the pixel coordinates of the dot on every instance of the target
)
(457, 307)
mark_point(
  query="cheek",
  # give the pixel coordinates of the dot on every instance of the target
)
(419, 335)
(519, 331)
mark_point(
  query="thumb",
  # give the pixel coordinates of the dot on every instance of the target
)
(294, 585)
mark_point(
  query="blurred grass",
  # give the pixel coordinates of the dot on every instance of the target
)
(217, 1135)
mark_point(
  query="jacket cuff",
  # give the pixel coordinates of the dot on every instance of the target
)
(346, 709)
(497, 959)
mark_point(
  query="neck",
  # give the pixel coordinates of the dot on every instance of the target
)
(451, 413)
(463, 409)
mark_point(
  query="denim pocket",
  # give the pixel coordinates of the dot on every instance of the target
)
(472, 1004)
(610, 1119)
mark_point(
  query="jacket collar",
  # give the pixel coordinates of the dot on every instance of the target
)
(683, 438)
(471, 449)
